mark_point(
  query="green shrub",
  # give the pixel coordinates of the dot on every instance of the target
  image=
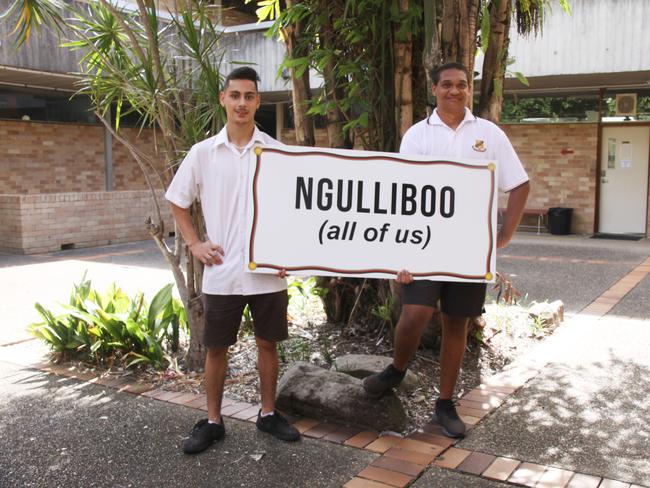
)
(295, 349)
(112, 327)
(305, 288)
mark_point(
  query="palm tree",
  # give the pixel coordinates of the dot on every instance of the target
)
(168, 73)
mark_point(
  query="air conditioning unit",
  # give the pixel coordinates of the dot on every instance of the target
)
(626, 104)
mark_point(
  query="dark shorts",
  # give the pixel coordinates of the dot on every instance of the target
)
(458, 299)
(223, 315)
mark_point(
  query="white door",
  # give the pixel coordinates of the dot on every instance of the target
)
(624, 180)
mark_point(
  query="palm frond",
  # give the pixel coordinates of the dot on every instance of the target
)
(31, 14)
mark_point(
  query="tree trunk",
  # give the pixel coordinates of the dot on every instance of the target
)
(431, 55)
(459, 29)
(194, 290)
(195, 358)
(189, 284)
(353, 301)
(301, 93)
(336, 136)
(495, 61)
(403, 60)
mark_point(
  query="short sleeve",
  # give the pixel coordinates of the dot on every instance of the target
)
(410, 143)
(511, 170)
(270, 141)
(184, 188)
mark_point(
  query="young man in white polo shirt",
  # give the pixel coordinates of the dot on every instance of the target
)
(215, 171)
(454, 132)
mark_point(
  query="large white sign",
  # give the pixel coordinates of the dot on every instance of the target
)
(369, 214)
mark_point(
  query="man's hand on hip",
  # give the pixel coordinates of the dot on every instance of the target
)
(207, 252)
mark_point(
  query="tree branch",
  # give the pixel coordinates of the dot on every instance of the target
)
(143, 167)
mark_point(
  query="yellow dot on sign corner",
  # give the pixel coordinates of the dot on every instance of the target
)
(488, 276)
(258, 150)
(252, 266)
(491, 167)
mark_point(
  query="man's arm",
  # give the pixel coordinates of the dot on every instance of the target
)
(515, 209)
(206, 252)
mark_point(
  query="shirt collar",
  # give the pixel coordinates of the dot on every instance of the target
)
(222, 137)
(435, 119)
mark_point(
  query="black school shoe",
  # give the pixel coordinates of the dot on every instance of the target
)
(277, 426)
(378, 384)
(202, 435)
(447, 417)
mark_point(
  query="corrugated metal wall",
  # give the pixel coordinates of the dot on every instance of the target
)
(601, 36)
(41, 54)
(265, 55)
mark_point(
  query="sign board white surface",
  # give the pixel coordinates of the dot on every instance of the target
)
(318, 211)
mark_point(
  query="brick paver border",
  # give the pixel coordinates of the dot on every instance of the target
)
(403, 459)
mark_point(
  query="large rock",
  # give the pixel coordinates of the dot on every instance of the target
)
(549, 315)
(362, 365)
(315, 392)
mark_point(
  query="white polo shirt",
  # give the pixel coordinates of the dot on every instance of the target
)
(216, 173)
(474, 138)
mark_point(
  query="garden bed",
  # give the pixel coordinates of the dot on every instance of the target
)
(509, 333)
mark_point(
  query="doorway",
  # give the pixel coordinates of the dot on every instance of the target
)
(624, 180)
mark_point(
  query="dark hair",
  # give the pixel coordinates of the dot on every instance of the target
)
(435, 72)
(242, 73)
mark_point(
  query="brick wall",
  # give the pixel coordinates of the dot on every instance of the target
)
(10, 224)
(56, 159)
(41, 157)
(126, 172)
(44, 222)
(559, 180)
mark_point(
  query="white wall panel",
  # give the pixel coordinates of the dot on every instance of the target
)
(601, 36)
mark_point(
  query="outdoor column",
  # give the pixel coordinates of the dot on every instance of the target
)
(279, 120)
(108, 155)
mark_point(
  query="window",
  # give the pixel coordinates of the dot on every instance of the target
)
(550, 109)
(45, 106)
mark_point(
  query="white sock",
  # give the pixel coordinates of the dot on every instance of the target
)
(214, 422)
(262, 414)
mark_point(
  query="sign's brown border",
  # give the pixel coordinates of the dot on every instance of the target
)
(488, 275)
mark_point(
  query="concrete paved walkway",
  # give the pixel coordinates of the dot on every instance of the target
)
(574, 412)
(61, 432)
(587, 410)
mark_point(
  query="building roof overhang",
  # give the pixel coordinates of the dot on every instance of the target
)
(37, 80)
(577, 83)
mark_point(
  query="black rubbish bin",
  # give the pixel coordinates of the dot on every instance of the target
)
(559, 220)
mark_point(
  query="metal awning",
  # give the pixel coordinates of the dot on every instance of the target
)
(37, 80)
(578, 83)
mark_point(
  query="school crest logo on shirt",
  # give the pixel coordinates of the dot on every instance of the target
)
(479, 146)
